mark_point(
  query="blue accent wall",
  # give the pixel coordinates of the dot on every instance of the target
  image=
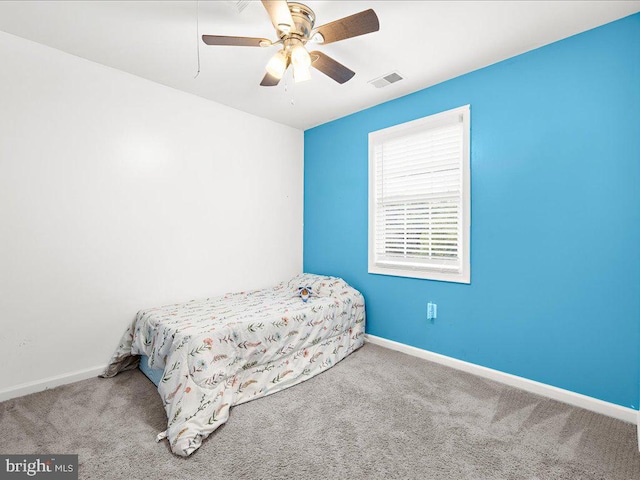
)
(555, 235)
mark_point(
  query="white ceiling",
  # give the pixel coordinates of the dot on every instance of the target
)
(426, 41)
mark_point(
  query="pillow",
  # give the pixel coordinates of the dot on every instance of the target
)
(305, 280)
(330, 287)
(317, 285)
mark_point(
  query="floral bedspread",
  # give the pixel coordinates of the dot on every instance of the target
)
(223, 351)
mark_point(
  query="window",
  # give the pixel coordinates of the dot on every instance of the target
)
(419, 198)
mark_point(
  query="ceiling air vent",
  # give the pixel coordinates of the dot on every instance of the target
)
(238, 5)
(385, 80)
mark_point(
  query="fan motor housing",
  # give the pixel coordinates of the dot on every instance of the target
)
(303, 17)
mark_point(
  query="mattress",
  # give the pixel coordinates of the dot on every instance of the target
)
(153, 374)
(223, 351)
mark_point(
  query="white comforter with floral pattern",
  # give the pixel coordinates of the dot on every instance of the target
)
(224, 351)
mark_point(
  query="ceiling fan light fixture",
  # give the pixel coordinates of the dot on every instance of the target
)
(301, 61)
(295, 26)
(277, 64)
(300, 57)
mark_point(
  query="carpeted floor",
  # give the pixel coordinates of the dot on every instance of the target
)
(377, 414)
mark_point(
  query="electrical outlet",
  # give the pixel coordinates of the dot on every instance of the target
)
(432, 311)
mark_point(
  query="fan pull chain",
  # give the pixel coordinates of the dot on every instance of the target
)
(198, 35)
(286, 89)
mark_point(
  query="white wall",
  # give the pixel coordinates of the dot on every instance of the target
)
(118, 194)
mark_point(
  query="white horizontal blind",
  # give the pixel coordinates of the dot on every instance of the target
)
(419, 196)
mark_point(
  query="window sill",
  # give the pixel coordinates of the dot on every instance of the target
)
(463, 277)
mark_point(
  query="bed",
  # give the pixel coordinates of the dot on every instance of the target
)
(208, 355)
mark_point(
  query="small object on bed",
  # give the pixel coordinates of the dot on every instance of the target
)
(209, 355)
(305, 293)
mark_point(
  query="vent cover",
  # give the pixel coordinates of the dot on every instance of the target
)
(387, 79)
(238, 5)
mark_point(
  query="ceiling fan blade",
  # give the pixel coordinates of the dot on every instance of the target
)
(330, 67)
(348, 27)
(235, 41)
(269, 80)
(280, 15)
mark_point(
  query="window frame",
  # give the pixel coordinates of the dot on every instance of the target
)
(464, 275)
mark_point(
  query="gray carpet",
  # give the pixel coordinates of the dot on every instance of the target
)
(377, 414)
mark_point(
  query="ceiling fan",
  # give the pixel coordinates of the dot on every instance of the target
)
(294, 24)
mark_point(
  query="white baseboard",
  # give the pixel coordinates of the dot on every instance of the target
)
(47, 383)
(566, 396)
